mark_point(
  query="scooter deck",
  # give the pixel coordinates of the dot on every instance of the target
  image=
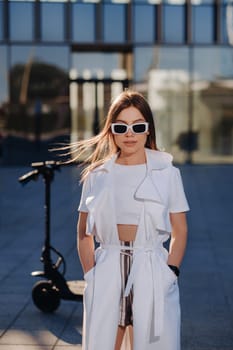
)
(77, 287)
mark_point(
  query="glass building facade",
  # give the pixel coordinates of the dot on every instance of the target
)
(61, 62)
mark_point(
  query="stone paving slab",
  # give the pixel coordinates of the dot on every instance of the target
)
(206, 281)
(22, 325)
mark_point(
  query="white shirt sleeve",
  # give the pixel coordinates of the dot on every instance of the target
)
(177, 198)
(85, 191)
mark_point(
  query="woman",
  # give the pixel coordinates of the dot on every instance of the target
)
(132, 202)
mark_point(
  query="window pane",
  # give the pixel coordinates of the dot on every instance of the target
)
(114, 23)
(147, 1)
(1, 20)
(3, 96)
(227, 24)
(38, 115)
(95, 65)
(174, 24)
(159, 58)
(52, 21)
(168, 82)
(55, 55)
(144, 23)
(3, 75)
(83, 22)
(202, 2)
(175, 2)
(203, 24)
(221, 63)
(142, 61)
(165, 75)
(212, 101)
(20, 1)
(95, 62)
(21, 21)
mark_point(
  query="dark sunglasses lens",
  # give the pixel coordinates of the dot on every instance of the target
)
(139, 128)
(120, 129)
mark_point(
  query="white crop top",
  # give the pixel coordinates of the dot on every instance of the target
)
(127, 178)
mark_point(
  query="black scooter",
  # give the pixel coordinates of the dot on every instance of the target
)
(47, 293)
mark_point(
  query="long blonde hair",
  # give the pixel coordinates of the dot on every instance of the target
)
(102, 146)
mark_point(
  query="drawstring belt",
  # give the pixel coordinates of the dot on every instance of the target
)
(158, 292)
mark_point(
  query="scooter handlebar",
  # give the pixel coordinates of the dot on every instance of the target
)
(31, 175)
(53, 164)
(41, 168)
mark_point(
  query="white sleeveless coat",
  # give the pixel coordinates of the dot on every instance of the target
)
(156, 307)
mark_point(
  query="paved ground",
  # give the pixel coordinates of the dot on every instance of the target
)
(206, 282)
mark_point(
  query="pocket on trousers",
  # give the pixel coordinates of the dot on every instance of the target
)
(88, 291)
(89, 275)
(169, 278)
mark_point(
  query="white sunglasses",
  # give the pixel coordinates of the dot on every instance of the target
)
(137, 128)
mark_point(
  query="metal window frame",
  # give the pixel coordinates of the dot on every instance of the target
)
(99, 30)
(6, 28)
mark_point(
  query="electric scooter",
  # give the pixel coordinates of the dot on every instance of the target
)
(48, 292)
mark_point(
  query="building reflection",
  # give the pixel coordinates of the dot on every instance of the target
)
(38, 112)
(57, 81)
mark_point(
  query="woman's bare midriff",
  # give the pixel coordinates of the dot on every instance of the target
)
(127, 233)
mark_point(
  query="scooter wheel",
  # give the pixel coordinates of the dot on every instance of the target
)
(45, 296)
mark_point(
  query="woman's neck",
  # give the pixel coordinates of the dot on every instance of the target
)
(131, 159)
